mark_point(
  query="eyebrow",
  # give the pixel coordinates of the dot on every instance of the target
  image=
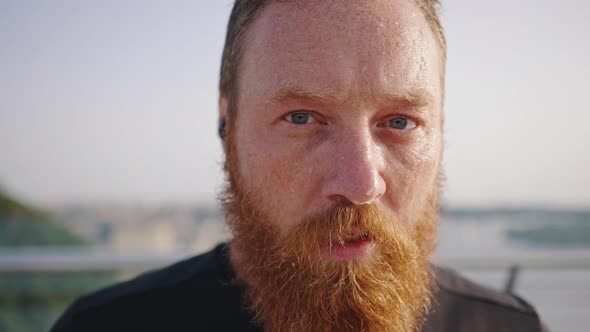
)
(291, 91)
(413, 98)
(418, 97)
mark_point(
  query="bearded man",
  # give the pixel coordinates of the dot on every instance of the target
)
(331, 118)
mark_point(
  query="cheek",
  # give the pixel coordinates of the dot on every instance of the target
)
(278, 174)
(269, 165)
(412, 176)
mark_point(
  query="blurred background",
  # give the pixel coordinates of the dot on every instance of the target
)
(110, 164)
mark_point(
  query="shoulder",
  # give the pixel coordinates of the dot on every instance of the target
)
(461, 288)
(154, 283)
(152, 298)
(460, 304)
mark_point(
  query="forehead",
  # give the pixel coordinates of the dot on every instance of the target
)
(341, 46)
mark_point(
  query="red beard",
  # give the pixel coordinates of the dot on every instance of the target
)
(292, 286)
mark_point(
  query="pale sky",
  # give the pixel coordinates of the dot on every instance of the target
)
(116, 100)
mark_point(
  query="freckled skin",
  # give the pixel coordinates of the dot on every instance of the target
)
(355, 52)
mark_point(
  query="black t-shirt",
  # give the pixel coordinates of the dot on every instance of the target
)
(198, 295)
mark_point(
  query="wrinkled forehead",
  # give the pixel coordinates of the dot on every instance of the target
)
(384, 39)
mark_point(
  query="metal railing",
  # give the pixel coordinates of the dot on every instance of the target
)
(67, 259)
(514, 263)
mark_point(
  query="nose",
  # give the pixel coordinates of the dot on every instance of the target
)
(355, 168)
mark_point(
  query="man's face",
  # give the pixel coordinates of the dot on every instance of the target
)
(333, 155)
(339, 100)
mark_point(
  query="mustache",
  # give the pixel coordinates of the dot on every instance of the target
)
(335, 224)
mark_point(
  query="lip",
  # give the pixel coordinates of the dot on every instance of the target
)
(357, 250)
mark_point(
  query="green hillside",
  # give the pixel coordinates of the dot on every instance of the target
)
(21, 225)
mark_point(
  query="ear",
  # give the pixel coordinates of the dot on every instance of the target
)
(222, 118)
(223, 102)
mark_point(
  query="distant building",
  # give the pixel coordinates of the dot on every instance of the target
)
(159, 236)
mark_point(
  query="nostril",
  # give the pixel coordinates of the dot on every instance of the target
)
(348, 191)
(366, 197)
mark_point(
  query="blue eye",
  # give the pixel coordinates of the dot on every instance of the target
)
(298, 118)
(398, 123)
(401, 123)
